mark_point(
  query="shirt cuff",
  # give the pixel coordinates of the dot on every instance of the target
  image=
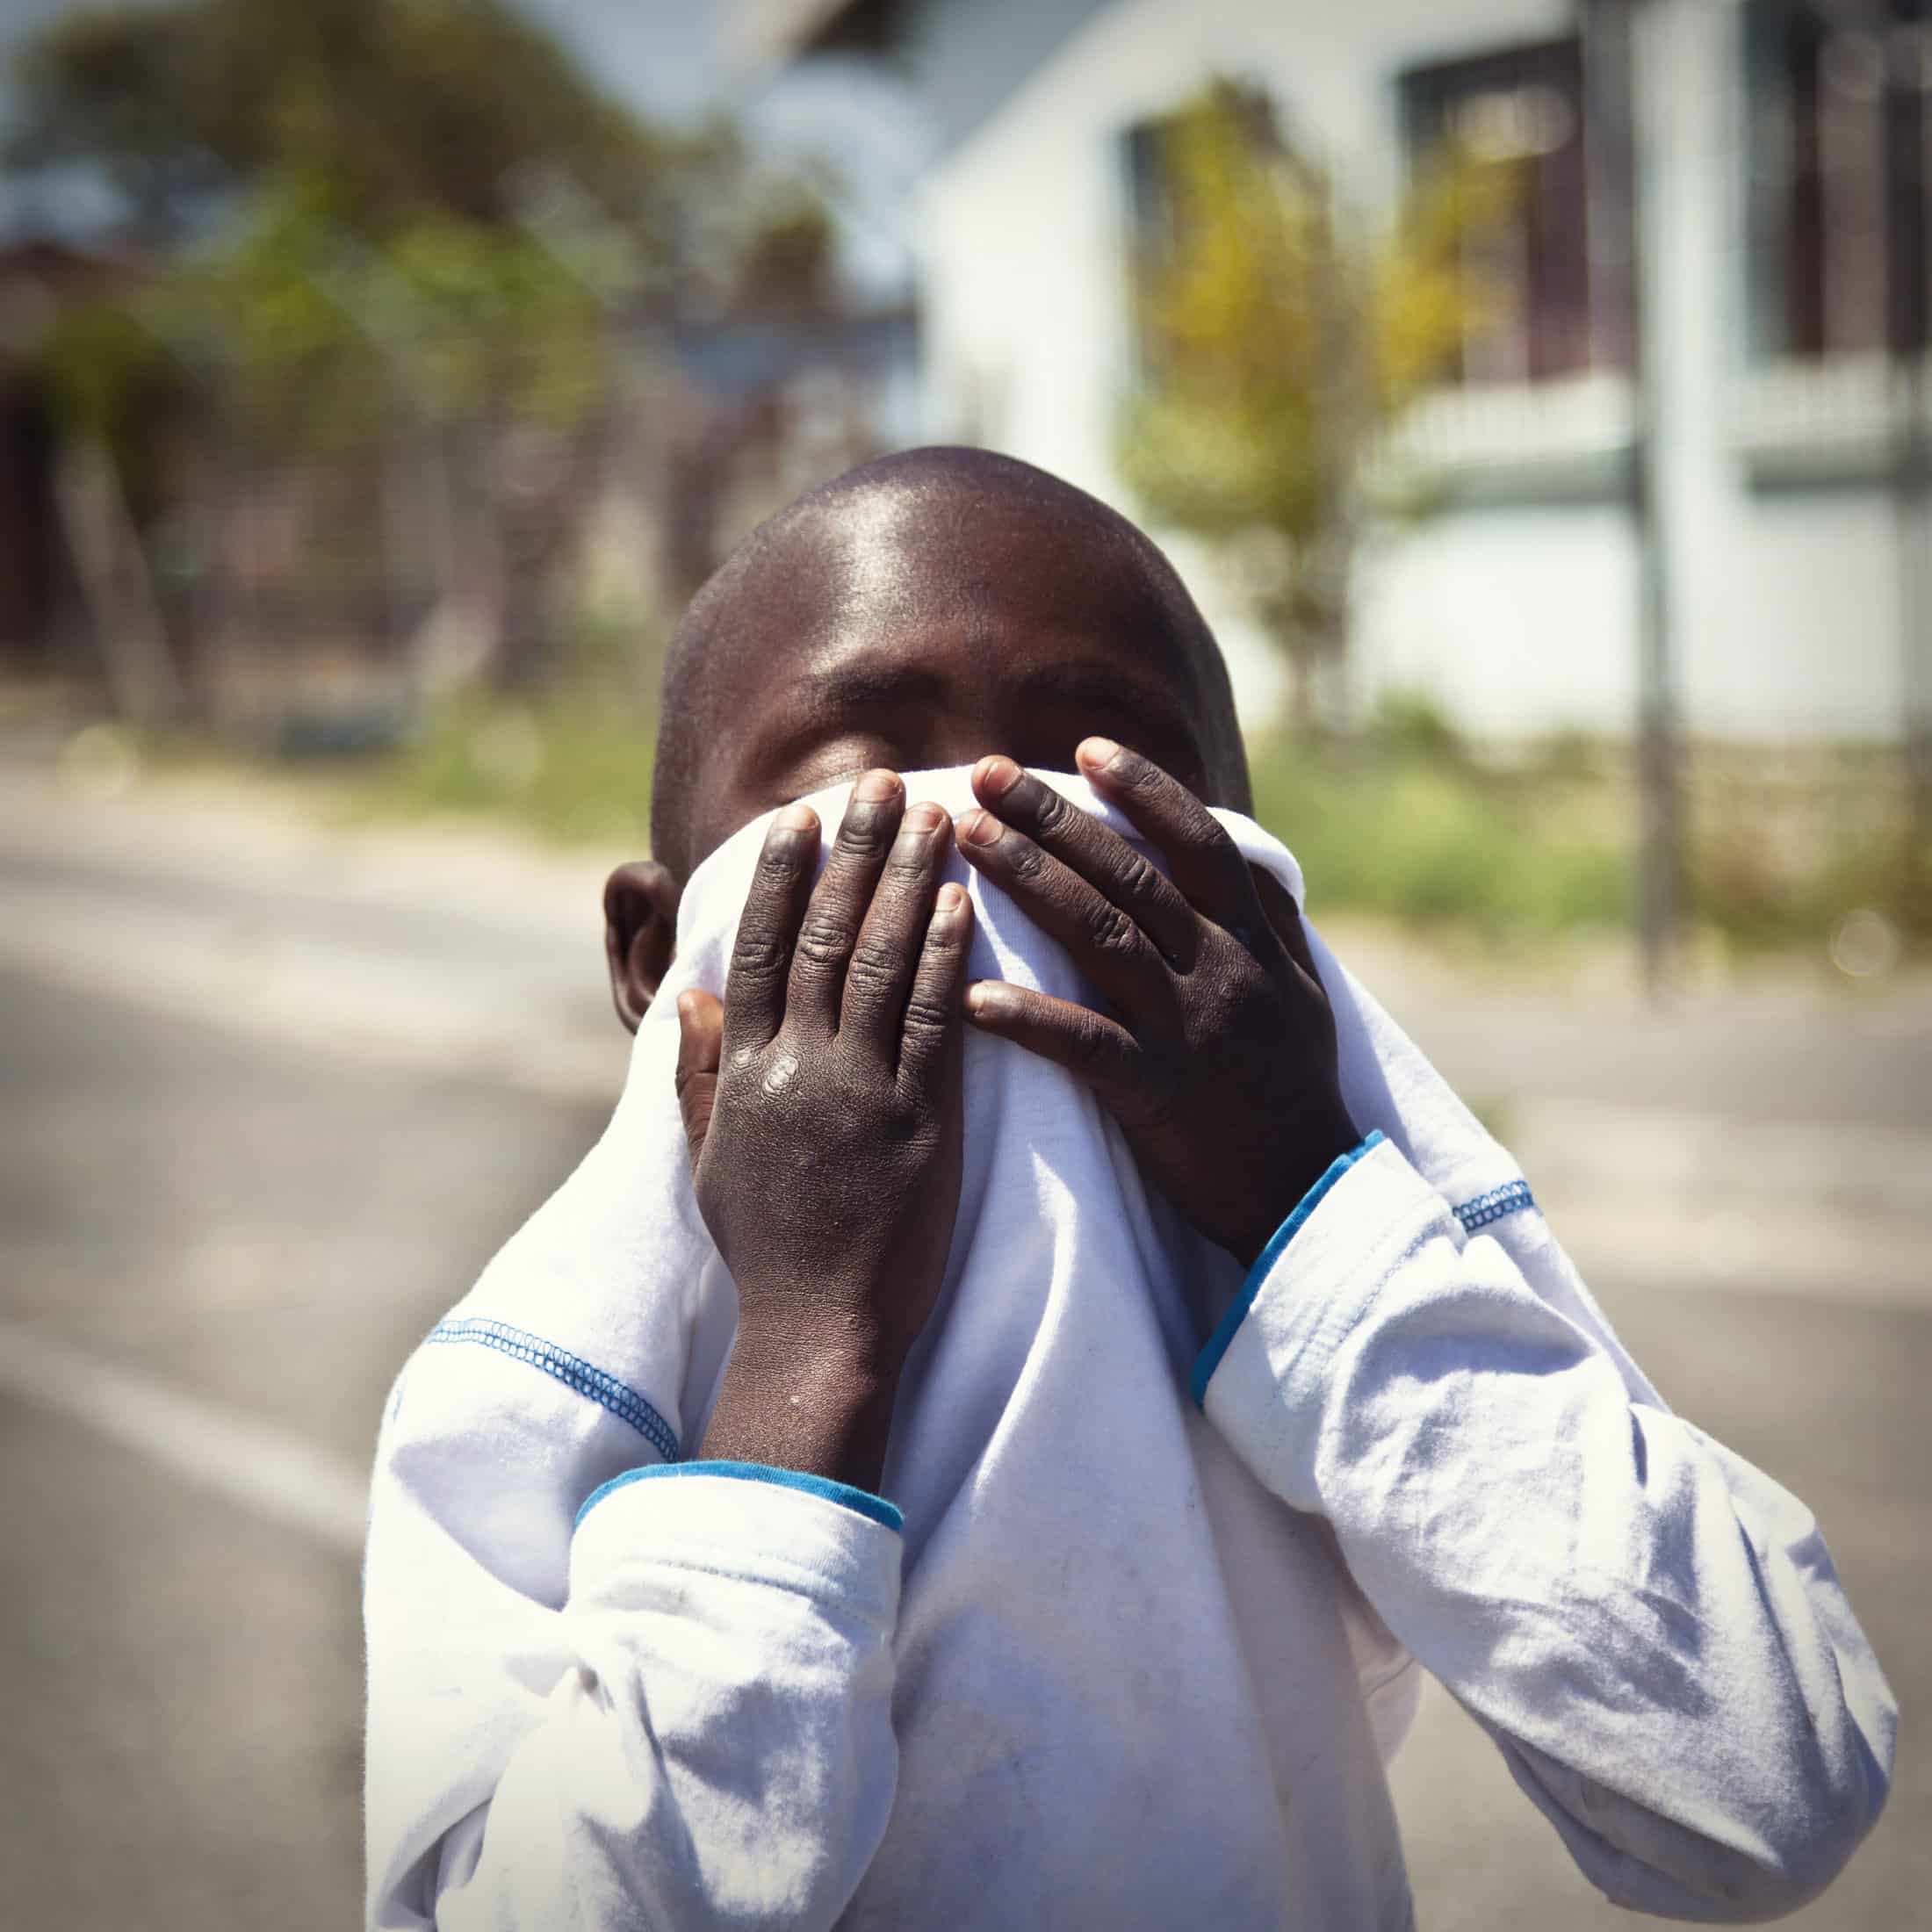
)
(741, 1521)
(863, 1500)
(1270, 1396)
(1209, 1359)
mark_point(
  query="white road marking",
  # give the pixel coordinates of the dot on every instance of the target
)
(331, 998)
(242, 1459)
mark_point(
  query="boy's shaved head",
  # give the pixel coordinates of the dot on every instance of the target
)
(921, 610)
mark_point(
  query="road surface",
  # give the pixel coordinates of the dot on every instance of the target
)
(223, 1227)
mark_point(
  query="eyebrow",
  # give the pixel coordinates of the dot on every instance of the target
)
(1111, 688)
(870, 687)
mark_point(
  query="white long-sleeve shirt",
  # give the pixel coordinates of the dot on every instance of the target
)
(724, 1719)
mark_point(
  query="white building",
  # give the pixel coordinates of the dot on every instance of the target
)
(1780, 251)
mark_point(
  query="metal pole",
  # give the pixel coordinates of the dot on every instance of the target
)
(1908, 171)
(1626, 245)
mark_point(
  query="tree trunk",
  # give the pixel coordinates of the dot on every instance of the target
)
(116, 583)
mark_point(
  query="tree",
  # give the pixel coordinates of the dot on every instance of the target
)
(401, 106)
(1280, 337)
(400, 241)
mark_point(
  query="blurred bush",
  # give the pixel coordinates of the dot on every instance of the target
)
(391, 344)
(1404, 822)
(574, 771)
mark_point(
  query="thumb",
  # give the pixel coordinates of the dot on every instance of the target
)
(701, 1033)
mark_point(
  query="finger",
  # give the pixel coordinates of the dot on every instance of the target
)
(1202, 859)
(1106, 943)
(934, 1032)
(839, 901)
(1284, 918)
(767, 929)
(1091, 1047)
(887, 951)
(701, 1040)
(1105, 860)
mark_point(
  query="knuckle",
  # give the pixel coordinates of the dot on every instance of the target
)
(1201, 832)
(1027, 860)
(867, 831)
(1137, 877)
(777, 866)
(824, 941)
(1214, 840)
(1051, 813)
(1109, 930)
(757, 955)
(926, 1014)
(874, 967)
(1092, 1042)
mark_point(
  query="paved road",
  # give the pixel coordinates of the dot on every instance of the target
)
(263, 1228)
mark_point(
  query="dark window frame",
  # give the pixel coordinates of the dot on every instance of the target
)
(1838, 184)
(1560, 329)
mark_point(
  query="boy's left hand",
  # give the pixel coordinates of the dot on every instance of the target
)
(1218, 1058)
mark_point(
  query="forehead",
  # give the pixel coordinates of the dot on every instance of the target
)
(951, 596)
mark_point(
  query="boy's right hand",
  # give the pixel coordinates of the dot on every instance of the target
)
(822, 1105)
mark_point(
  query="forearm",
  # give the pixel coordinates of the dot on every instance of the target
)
(793, 1400)
(1649, 1626)
(701, 1736)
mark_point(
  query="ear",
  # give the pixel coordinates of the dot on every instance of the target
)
(640, 934)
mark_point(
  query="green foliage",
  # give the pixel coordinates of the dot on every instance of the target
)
(1411, 724)
(383, 209)
(402, 106)
(1385, 826)
(1280, 334)
(576, 771)
(1402, 832)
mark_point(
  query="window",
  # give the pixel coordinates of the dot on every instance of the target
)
(1837, 138)
(1523, 107)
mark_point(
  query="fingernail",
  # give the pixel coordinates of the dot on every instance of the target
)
(997, 776)
(982, 996)
(981, 828)
(877, 787)
(797, 818)
(951, 897)
(1097, 753)
(922, 818)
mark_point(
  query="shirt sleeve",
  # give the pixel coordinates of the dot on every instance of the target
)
(699, 1736)
(1650, 1628)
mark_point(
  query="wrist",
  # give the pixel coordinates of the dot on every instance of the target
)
(793, 1399)
(1312, 1157)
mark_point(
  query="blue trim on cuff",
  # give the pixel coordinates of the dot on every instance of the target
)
(862, 1501)
(1209, 1359)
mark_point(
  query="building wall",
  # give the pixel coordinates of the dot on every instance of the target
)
(1518, 611)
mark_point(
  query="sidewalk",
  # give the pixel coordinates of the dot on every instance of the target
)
(1775, 1136)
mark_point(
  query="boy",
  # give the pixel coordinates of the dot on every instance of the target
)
(1122, 1660)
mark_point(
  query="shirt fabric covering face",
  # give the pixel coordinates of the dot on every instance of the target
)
(1144, 1626)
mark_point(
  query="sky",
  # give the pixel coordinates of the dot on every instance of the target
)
(671, 59)
(674, 59)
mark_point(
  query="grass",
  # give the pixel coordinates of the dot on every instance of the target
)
(1431, 840)
(576, 771)
(1401, 822)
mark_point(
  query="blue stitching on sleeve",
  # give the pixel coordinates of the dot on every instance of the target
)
(862, 1501)
(1209, 1359)
(1511, 1199)
(622, 1401)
